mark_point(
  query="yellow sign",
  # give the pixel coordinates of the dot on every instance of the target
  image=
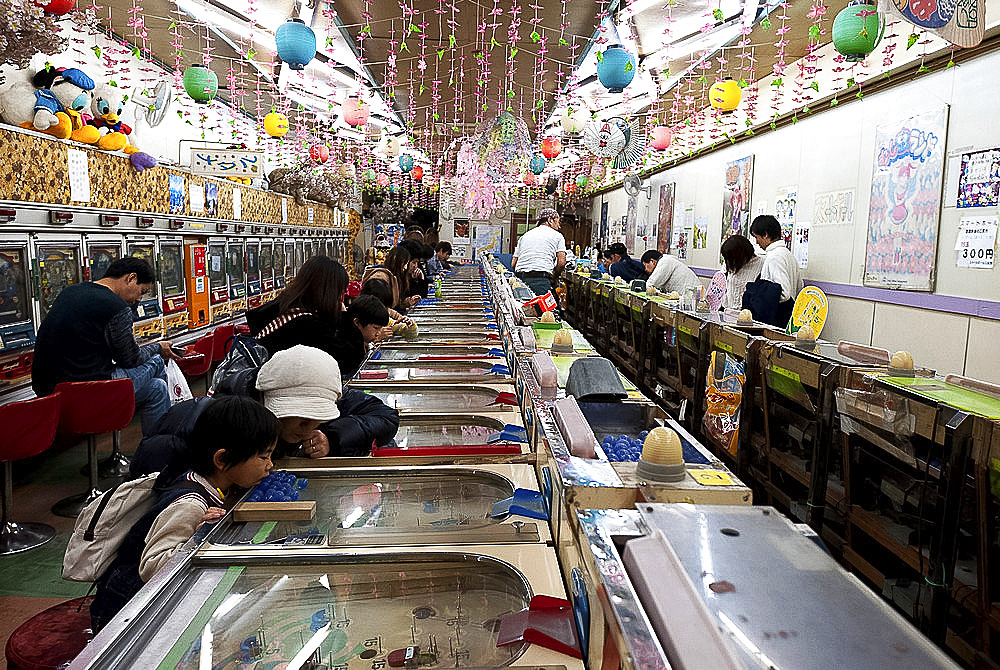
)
(723, 346)
(786, 373)
(685, 330)
(712, 477)
(810, 308)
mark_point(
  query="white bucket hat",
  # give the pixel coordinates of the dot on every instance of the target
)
(301, 381)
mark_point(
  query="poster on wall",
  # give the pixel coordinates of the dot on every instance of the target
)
(630, 225)
(212, 201)
(602, 234)
(834, 208)
(487, 238)
(800, 243)
(666, 216)
(175, 185)
(197, 193)
(700, 239)
(905, 204)
(461, 231)
(736, 198)
(784, 211)
(979, 179)
(977, 241)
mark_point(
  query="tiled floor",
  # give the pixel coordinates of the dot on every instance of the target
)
(31, 581)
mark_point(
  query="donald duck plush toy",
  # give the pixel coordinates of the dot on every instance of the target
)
(52, 103)
(107, 108)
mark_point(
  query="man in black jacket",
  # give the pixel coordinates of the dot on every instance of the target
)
(302, 387)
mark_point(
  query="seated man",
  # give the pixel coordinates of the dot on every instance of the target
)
(439, 262)
(622, 265)
(667, 273)
(302, 387)
(87, 336)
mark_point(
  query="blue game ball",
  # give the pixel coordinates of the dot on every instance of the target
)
(302, 483)
(643, 434)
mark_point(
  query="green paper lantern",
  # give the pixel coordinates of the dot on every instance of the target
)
(857, 30)
(201, 83)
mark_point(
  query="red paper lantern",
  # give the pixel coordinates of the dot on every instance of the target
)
(417, 172)
(661, 137)
(529, 179)
(58, 7)
(569, 188)
(551, 147)
(319, 153)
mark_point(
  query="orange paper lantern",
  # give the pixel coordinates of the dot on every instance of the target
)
(551, 147)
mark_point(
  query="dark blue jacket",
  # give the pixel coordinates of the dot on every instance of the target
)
(628, 269)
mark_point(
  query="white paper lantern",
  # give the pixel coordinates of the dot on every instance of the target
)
(574, 119)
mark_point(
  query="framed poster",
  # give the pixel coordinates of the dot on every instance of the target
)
(784, 211)
(905, 209)
(736, 198)
(487, 238)
(630, 218)
(461, 235)
(666, 216)
(979, 179)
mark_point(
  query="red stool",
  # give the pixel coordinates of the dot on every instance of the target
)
(51, 639)
(198, 359)
(29, 427)
(89, 409)
(242, 329)
(223, 334)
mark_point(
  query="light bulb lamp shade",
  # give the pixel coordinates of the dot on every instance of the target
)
(200, 83)
(319, 153)
(724, 95)
(661, 137)
(417, 173)
(296, 43)
(406, 162)
(355, 112)
(857, 30)
(573, 119)
(537, 164)
(551, 147)
(275, 124)
(58, 7)
(616, 69)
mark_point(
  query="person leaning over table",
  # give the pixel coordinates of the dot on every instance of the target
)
(540, 254)
(622, 265)
(779, 267)
(742, 267)
(667, 273)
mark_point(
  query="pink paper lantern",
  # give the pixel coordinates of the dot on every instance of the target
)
(355, 112)
(529, 179)
(383, 179)
(661, 137)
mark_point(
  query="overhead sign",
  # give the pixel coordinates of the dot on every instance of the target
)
(227, 162)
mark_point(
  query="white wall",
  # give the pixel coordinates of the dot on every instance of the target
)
(833, 150)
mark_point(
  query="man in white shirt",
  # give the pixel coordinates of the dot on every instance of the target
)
(667, 273)
(779, 265)
(541, 253)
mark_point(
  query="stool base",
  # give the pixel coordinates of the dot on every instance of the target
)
(72, 506)
(114, 466)
(17, 537)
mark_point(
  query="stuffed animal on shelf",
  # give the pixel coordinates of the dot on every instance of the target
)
(107, 108)
(52, 103)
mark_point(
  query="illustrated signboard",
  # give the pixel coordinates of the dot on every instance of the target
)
(487, 238)
(227, 162)
(736, 198)
(905, 206)
(666, 217)
(979, 179)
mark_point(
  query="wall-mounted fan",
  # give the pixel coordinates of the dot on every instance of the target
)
(633, 186)
(155, 103)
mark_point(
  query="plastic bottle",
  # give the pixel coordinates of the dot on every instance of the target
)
(437, 287)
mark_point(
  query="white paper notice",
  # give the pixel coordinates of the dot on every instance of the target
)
(237, 204)
(197, 198)
(79, 175)
(284, 210)
(800, 242)
(310, 217)
(977, 240)
(761, 207)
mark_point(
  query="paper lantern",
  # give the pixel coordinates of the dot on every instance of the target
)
(661, 137)
(319, 153)
(383, 179)
(569, 188)
(200, 83)
(582, 181)
(857, 30)
(369, 175)
(529, 179)
(346, 170)
(417, 173)
(616, 69)
(537, 164)
(599, 172)
(574, 119)
(296, 43)
(58, 7)
(275, 124)
(406, 162)
(392, 147)
(355, 112)
(551, 147)
(725, 95)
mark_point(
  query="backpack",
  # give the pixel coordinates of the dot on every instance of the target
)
(102, 526)
(237, 373)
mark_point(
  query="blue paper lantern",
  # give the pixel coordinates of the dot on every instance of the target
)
(296, 43)
(537, 164)
(616, 69)
(406, 162)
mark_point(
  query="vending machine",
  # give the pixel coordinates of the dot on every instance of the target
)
(218, 280)
(196, 277)
(148, 323)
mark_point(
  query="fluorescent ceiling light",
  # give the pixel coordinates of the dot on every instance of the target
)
(222, 21)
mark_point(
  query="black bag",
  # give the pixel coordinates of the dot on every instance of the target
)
(763, 297)
(237, 373)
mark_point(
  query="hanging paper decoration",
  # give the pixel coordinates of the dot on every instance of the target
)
(355, 112)
(276, 124)
(605, 139)
(529, 179)
(296, 43)
(59, 7)
(857, 30)
(551, 147)
(725, 95)
(616, 69)
(383, 179)
(392, 147)
(537, 164)
(319, 153)
(569, 188)
(503, 146)
(406, 162)
(200, 83)
(635, 145)
(661, 137)
(574, 119)
(417, 173)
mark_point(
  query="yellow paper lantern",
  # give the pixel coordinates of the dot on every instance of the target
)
(276, 124)
(725, 95)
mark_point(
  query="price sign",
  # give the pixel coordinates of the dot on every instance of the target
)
(712, 477)
(976, 243)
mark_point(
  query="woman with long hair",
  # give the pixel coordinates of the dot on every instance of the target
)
(396, 272)
(742, 267)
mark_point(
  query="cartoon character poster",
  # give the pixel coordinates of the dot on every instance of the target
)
(905, 206)
(736, 198)
(666, 217)
(630, 219)
(979, 179)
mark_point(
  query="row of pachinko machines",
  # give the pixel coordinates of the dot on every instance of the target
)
(507, 525)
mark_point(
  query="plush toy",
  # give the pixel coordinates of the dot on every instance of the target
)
(51, 103)
(107, 108)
